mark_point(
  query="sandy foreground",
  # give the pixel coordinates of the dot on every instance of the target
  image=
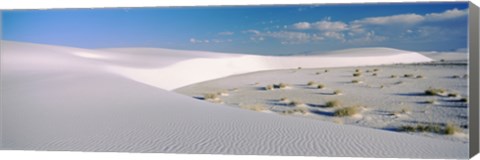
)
(61, 98)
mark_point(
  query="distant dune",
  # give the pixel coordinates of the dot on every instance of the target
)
(61, 98)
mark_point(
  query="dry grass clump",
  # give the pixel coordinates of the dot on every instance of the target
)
(311, 83)
(455, 76)
(374, 74)
(434, 91)
(449, 129)
(356, 81)
(404, 110)
(255, 107)
(320, 86)
(299, 68)
(357, 70)
(408, 75)
(419, 76)
(296, 103)
(376, 69)
(317, 73)
(393, 76)
(332, 103)
(284, 99)
(347, 111)
(337, 92)
(357, 74)
(326, 70)
(280, 85)
(211, 96)
(452, 95)
(464, 99)
(296, 110)
(432, 101)
(269, 87)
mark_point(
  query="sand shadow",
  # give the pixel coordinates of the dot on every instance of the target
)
(323, 113)
(413, 94)
(199, 98)
(315, 105)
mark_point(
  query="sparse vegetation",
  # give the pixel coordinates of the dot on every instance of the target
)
(463, 99)
(393, 76)
(296, 110)
(320, 86)
(255, 107)
(284, 99)
(311, 83)
(376, 69)
(419, 76)
(453, 95)
(326, 70)
(332, 103)
(269, 87)
(282, 85)
(434, 91)
(296, 103)
(374, 74)
(299, 68)
(356, 81)
(337, 92)
(432, 101)
(408, 75)
(347, 111)
(211, 96)
(357, 74)
(357, 70)
(449, 128)
(317, 73)
(455, 76)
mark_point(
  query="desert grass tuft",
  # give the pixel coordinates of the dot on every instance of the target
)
(357, 74)
(408, 75)
(255, 107)
(296, 110)
(211, 96)
(393, 76)
(337, 92)
(434, 91)
(347, 111)
(356, 81)
(269, 87)
(451, 129)
(332, 103)
(311, 83)
(320, 86)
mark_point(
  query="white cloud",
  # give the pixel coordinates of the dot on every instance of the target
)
(285, 37)
(448, 14)
(391, 20)
(410, 19)
(324, 25)
(226, 33)
(256, 32)
(302, 25)
(196, 41)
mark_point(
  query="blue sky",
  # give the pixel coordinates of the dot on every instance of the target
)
(248, 29)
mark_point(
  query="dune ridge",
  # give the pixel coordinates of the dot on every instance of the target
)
(61, 98)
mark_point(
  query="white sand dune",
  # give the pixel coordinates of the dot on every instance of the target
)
(190, 68)
(60, 98)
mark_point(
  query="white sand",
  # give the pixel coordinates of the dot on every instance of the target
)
(192, 68)
(60, 98)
